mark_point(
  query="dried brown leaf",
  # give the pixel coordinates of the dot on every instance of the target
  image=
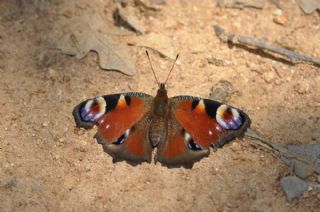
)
(83, 34)
(129, 19)
(158, 42)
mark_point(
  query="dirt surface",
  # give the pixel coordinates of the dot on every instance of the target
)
(47, 164)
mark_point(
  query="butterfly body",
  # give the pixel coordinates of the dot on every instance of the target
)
(159, 124)
(182, 128)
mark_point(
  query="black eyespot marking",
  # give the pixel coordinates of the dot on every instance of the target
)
(120, 140)
(211, 107)
(194, 104)
(193, 146)
(128, 99)
(112, 101)
(191, 143)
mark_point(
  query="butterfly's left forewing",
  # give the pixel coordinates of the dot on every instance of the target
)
(197, 124)
(122, 121)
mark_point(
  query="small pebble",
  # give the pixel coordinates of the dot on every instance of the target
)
(302, 87)
(277, 12)
(254, 67)
(82, 149)
(229, 205)
(278, 17)
(12, 183)
(52, 74)
(221, 91)
(269, 76)
(37, 187)
(218, 62)
(281, 19)
(235, 147)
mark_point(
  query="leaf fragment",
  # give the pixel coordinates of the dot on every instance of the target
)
(83, 34)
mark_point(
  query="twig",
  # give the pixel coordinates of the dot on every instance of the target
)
(284, 152)
(243, 40)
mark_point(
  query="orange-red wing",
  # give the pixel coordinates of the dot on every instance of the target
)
(135, 148)
(193, 125)
(113, 114)
(135, 142)
(175, 147)
(208, 121)
(115, 122)
(122, 121)
(175, 151)
(202, 128)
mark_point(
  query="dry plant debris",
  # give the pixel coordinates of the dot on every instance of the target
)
(157, 42)
(258, 4)
(237, 39)
(85, 33)
(129, 12)
(303, 161)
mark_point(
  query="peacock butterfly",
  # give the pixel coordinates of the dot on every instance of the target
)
(182, 128)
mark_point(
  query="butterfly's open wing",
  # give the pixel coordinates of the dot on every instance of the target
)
(196, 124)
(122, 121)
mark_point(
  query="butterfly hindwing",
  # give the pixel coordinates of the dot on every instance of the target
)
(177, 149)
(133, 146)
(122, 121)
(197, 124)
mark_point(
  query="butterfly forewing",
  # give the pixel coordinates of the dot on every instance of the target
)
(197, 124)
(122, 121)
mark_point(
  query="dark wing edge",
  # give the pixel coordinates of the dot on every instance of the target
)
(111, 98)
(134, 148)
(191, 153)
(232, 134)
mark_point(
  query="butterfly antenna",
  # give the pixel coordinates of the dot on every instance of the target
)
(152, 68)
(171, 68)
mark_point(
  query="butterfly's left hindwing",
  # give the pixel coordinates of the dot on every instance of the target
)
(122, 121)
(197, 124)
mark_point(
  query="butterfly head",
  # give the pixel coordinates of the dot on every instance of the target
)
(162, 86)
(162, 91)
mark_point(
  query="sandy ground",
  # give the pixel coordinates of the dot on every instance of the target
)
(47, 164)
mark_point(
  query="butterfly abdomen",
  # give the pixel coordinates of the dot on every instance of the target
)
(158, 130)
(159, 125)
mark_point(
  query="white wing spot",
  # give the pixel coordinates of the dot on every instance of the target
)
(121, 96)
(187, 136)
(127, 133)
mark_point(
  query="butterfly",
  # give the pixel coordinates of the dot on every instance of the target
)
(182, 128)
